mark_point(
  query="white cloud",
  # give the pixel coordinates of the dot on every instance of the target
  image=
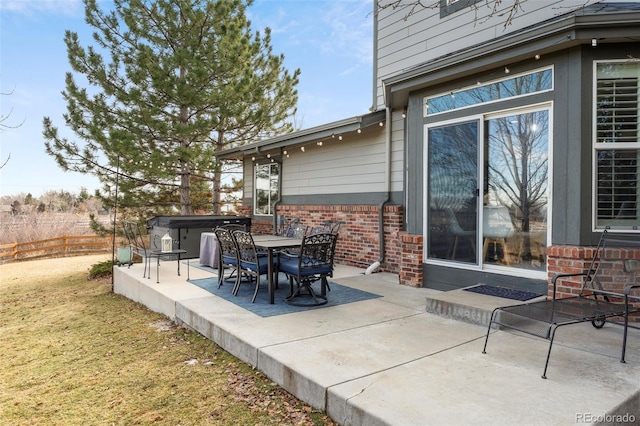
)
(350, 24)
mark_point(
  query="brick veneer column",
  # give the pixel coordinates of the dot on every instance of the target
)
(567, 260)
(411, 263)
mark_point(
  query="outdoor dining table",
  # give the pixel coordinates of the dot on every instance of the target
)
(270, 243)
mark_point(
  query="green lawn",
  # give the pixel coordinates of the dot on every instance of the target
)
(73, 353)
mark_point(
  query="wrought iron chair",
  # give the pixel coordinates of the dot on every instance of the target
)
(137, 244)
(315, 263)
(333, 226)
(284, 224)
(296, 231)
(250, 262)
(227, 255)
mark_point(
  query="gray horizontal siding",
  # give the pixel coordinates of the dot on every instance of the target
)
(336, 167)
(424, 36)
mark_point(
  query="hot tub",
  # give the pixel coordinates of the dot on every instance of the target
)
(185, 230)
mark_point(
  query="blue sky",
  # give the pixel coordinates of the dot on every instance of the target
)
(329, 40)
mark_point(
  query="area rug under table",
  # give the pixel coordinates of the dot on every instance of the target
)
(504, 292)
(338, 295)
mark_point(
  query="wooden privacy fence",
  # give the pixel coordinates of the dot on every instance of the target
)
(59, 246)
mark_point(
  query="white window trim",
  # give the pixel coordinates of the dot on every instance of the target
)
(599, 146)
(500, 270)
(486, 83)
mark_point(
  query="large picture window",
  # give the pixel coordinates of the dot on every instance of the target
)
(617, 144)
(267, 188)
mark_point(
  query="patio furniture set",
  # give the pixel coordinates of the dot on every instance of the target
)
(138, 245)
(305, 255)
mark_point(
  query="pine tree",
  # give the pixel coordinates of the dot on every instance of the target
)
(168, 84)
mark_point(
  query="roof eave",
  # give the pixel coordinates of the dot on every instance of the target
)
(300, 137)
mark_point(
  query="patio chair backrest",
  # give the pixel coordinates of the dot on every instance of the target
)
(135, 238)
(297, 231)
(333, 226)
(228, 248)
(285, 225)
(317, 250)
(247, 252)
(611, 264)
(317, 230)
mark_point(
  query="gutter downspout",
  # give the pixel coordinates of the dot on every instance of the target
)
(387, 176)
(275, 205)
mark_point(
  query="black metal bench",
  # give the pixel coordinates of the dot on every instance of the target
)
(612, 262)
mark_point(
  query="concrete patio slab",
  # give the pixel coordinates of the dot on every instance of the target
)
(386, 361)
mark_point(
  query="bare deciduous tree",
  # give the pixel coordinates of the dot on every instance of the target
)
(4, 125)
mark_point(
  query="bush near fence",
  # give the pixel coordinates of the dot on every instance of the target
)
(68, 245)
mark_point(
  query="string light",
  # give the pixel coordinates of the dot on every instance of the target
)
(302, 148)
(319, 143)
(507, 70)
(381, 124)
(537, 57)
(340, 137)
(359, 130)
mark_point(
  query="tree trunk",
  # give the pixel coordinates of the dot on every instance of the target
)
(217, 177)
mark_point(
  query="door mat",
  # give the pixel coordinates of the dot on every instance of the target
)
(338, 295)
(505, 293)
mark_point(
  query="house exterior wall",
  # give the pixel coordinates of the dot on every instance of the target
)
(355, 164)
(342, 180)
(403, 42)
(380, 173)
(403, 45)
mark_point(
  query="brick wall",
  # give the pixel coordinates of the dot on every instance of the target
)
(359, 240)
(411, 267)
(573, 259)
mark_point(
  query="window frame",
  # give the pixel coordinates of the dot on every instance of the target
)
(598, 223)
(498, 81)
(278, 185)
(447, 7)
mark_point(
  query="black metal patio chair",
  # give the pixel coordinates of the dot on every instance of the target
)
(250, 262)
(227, 255)
(314, 263)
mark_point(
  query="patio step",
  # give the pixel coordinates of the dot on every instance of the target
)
(467, 306)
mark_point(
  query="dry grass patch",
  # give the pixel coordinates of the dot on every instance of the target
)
(75, 353)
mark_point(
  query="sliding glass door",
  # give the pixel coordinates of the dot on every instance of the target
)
(452, 192)
(486, 190)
